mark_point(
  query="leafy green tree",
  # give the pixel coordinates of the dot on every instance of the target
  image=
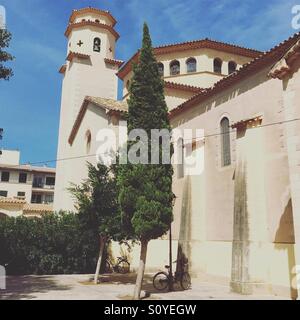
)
(145, 191)
(5, 37)
(97, 204)
(52, 244)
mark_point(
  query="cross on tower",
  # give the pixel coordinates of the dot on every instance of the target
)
(80, 43)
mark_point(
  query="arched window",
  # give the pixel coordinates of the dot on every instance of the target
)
(218, 65)
(225, 142)
(174, 68)
(161, 69)
(97, 20)
(191, 65)
(97, 45)
(88, 141)
(231, 67)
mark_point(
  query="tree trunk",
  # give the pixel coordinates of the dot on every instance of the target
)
(102, 246)
(141, 271)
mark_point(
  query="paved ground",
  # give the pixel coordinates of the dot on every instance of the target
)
(113, 287)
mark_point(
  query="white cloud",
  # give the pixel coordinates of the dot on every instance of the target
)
(249, 23)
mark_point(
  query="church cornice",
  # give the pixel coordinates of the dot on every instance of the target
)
(90, 23)
(73, 55)
(284, 67)
(113, 62)
(250, 122)
(183, 87)
(63, 69)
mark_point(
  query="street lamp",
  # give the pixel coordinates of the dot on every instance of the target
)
(170, 253)
(1, 136)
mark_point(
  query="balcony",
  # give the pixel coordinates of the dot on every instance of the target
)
(36, 185)
(43, 183)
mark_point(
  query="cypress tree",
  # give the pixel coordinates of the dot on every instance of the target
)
(145, 190)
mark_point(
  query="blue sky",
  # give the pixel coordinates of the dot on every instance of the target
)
(30, 101)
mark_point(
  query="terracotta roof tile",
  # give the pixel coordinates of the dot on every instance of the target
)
(244, 122)
(28, 168)
(11, 201)
(107, 104)
(75, 13)
(37, 208)
(73, 55)
(284, 67)
(63, 69)
(184, 87)
(114, 62)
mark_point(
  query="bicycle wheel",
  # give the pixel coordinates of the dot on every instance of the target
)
(108, 268)
(185, 281)
(123, 267)
(161, 281)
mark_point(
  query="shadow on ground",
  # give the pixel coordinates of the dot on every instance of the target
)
(118, 279)
(25, 287)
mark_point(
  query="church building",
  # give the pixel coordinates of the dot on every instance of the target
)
(238, 220)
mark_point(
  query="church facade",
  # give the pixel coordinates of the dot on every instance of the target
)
(238, 219)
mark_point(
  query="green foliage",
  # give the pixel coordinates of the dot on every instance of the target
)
(97, 201)
(5, 37)
(145, 191)
(53, 244)
(147, 108)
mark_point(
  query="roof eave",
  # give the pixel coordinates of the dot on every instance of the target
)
(95, 10)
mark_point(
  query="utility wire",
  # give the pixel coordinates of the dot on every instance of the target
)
(185, 140)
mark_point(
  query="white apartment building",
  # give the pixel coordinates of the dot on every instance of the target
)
(29, 187)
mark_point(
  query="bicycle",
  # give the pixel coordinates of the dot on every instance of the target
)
(161, 280)
(122, 266)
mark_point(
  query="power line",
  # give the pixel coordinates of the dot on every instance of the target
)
(258, 127)
(193, 139)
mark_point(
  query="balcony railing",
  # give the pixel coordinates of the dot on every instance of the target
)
(42, 186)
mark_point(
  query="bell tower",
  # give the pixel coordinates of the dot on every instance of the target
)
(89, 70)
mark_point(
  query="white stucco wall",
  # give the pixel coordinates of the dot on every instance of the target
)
(91, 77)
(10, 157)
(13, 186)
(257, 95)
